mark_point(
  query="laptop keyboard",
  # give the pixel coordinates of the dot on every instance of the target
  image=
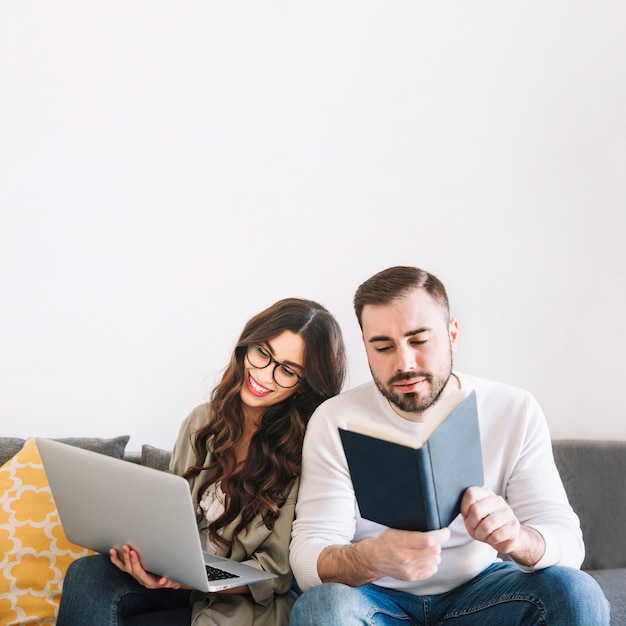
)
(218, 574)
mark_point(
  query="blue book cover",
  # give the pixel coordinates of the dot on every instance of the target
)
(417, 485)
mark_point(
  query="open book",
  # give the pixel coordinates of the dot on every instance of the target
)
(417, 484)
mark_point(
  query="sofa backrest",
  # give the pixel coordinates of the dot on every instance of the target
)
(593, 473)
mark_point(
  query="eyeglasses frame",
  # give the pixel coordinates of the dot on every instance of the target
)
(276, 365)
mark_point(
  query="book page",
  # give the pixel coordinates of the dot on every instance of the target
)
(441, 411)
(386, 433)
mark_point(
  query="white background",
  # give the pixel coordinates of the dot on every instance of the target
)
(168, 169)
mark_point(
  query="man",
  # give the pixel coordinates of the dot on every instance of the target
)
(377, 575)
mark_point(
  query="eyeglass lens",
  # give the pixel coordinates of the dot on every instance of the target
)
(260, 358)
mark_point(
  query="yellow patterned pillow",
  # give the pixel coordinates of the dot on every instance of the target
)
(34, 552)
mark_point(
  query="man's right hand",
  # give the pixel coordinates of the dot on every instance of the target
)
(401, 554)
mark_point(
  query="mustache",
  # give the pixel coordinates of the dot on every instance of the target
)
(402, 376)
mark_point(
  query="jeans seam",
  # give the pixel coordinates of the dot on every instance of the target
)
(380, 611)
(515, 597)
(115, 608)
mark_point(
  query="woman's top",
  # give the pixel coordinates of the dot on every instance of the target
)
(269, 602)
(211, 507)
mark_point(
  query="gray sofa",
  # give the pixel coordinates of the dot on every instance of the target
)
(593, 473)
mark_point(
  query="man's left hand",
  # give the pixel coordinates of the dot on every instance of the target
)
(488, 518)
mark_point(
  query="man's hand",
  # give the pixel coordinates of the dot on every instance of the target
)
(488, 518)
(130, 563)
(401, 554)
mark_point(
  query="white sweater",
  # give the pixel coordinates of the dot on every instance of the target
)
(517, 464)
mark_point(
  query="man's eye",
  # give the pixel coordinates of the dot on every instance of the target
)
(383, 349)
(421, 342)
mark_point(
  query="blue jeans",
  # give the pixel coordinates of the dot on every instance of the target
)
(96, 593)
(501, 594)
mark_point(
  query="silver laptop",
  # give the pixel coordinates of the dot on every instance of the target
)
(105, 502)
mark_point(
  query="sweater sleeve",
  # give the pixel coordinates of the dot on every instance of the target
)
(535, 492)
(325, 511)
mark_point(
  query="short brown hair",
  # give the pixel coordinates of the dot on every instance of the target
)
(395, 283)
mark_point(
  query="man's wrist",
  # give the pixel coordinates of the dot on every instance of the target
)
(350, 564)
(532, 548)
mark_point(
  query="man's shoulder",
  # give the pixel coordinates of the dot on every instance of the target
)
(491, 386)
(496, 398)
(331, 410)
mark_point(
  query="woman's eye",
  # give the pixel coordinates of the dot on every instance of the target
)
(262, 352)
(287, 372)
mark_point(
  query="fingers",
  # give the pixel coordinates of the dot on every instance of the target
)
(438, 536)
(488, 518)
(408, 555)
(117, 559)
(128, 561)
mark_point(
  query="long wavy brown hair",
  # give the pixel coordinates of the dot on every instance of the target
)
(261, 484)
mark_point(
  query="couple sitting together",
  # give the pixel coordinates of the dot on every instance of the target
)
(271, 483)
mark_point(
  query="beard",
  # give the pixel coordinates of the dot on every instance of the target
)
(416, 402)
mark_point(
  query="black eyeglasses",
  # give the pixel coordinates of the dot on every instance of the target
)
(282, 374)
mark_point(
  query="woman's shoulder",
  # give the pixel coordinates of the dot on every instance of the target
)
(182, 450)
(195, 420)
(198, 416)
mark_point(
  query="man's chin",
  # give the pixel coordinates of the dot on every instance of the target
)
(408, 402)
(415, 406)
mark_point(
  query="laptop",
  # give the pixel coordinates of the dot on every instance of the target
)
(104, 502)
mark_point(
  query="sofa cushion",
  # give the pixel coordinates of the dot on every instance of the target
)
(613, 583)
(593, 473)
(155, 457)
(114, 446)
(9, 447)
(35, 551)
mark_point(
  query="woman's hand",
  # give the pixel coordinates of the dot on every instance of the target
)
(129, 562)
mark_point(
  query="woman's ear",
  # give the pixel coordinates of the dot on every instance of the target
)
(453, 333)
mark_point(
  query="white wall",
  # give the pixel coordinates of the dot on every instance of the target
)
(169, 169)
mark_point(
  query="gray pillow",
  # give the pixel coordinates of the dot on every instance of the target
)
(155, 457)
(114, 447)
(9, 447)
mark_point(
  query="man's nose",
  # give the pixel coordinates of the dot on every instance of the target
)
(405, 359)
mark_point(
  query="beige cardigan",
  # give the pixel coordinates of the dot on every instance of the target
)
(269, 602)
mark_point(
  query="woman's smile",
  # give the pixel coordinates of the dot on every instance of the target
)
(256, 388)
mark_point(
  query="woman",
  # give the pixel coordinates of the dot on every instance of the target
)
(241, 453)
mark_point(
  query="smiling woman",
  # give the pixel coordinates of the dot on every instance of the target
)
(241, 453)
